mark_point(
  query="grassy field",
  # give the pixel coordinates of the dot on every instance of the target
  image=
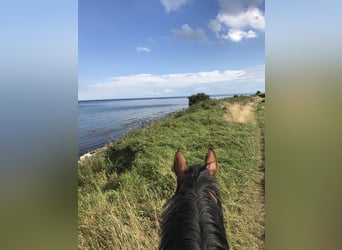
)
(122, 189)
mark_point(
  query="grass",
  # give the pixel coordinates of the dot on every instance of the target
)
(122, 189)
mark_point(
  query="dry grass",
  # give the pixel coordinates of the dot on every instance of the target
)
(240, 113)
(118, 226)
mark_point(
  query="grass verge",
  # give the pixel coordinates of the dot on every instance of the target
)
(122, 189)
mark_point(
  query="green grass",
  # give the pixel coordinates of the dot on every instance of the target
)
(122, 190)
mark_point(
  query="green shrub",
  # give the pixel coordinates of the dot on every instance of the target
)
(260, 94)
(200, 97)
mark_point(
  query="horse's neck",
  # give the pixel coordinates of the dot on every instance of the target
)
(197, 220)
(193, 220)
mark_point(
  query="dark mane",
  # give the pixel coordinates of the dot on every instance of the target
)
(192, 218)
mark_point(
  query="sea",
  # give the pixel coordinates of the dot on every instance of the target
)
(102, 121)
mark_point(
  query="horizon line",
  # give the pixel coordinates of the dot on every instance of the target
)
(160, 97)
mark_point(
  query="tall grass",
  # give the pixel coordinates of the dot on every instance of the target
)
(122, 189)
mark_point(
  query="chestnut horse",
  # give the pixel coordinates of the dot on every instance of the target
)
(192, 218)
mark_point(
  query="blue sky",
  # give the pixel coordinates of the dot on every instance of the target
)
(152, 48)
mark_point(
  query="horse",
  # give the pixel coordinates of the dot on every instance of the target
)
(192, 218)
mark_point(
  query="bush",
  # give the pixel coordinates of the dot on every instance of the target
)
(260, 94)
(200, 97)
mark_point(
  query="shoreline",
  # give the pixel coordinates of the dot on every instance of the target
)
(144, 124)
(105, 146)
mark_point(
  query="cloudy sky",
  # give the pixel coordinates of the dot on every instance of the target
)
(155, 48)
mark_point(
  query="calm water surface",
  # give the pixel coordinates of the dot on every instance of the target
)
(102, 121)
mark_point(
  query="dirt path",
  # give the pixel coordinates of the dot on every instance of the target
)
(260, 176)
(252, 199)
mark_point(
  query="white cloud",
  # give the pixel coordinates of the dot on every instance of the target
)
(187, 33)
(253, 18)
(171, 5)
(238, 20)
(143, 49)
(238, 35)
(146, 85)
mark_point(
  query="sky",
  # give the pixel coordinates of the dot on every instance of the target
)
(161, 48)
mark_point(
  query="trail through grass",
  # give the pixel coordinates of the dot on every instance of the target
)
(123, 188)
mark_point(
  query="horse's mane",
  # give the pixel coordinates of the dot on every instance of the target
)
(192, 218)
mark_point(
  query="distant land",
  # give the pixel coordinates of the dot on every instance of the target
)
(162, 97)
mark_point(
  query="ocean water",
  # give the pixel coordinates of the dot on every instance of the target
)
(99, 122)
